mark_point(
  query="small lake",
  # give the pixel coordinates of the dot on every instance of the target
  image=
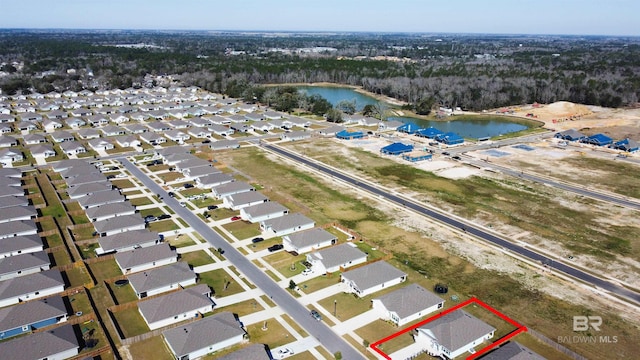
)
(467, 127)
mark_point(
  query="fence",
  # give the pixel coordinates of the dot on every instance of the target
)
(555, 345)
(157, 332)
(92, 354)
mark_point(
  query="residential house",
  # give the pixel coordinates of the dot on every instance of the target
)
(136, 128)
(263, 212)
(107, 211)
(218, 120)
(194, 173)
(72, 148)
(265, 126)
(241, 128)
(11, 188)
(98, 120)
(295, 135)
(407, 304)
(187, 165)
(6, 118)
(241, 200)
(85, 178)
(162, 279)
(42, 150)
(62, 136)
(89, 134)
(30, 117)
(138, 116)
(34, 139)
(25, 126)
(118, 118)
(9, 201)
(101, 198)
(50, 125)
(153, 138)
(18, 228)
(224, 145)
(112, 130)
(211, 334)
(231, 188)
(5, 129)
(8, 141)
(17, 212)
(89, 188)
(287, 224)
(308, 240)
(251, 352)
(196, 122)
(145, 258)
(10, 155)
(272, 115)
(119, 224)
(128, 241)
(178, 306)
(55, 344)
(30, 287)
(199, 132)
(220, 130)
(179, 124)
(453, 334)
(78, 113)
(16, 245)
(100, 144)
(254, 116)
(32, 315)
(23, 265)
(512, 351)
(299, 122)
(336, 258)
(128, 141)
(215, 179)
(370, 278)
(159, 126)
(177, 136)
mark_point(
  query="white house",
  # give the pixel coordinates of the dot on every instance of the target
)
(153, 138)
(20, 245)
(370, 278)
(336, 258)
(42, 150)
(178, 306)
(211, 180)
(89, 134)
(453, 334)
(160, 280)
(239, 201)
(72, 148)
(17, 212)
(308, 240)
(262, 212)
(512, 351)
(119, 224)
(145, 258)
(10, 155)
(101, 144)
(231, 188)
(128, 241)
(23, 264)
(177, 136)
(18, 228)
(112, 210)
(407, 304)
(197, 339)
(128, 141)
(34, 286)
(287, 224)
(54, 344)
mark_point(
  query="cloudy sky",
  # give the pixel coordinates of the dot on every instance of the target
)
(580, 17)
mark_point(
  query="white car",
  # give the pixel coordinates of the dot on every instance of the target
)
(306, 272)
(283, 353)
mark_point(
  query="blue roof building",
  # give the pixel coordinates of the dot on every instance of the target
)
(598, 139)
(396, 149)
(570, 135)
(346, 135)
(417, 156)
(629, 145)
(450, 138)
(429, 132)
(408, 128)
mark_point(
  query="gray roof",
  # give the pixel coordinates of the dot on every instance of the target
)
(512, 351)
(14, 227)
(409, 300)
(246, 198)
(127, 239)
(236, 186)
(85, 179)
(30, 283)
(203, 333)
(16, 243)
(338, 255)
(202, 171)
(11, 191)
(15, 212)
(176, 303)
(310, 237)
(224, 144)
(215, 178)
(113, 209)
(118, 223)
(251, 352)
(40, 345)
(266, 208)
(10, 172)
(160, 277)
(31, 312)
(373, 274)
(145, 255)
(9, 201)
(22, 262)
(101, 198)
(457, 329)
(288, 222)
(193, 163)
(90, 188)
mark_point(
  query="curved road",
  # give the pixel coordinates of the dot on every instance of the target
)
(478, 232)
(282, 298)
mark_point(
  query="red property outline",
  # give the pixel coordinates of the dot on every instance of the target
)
(519, 328)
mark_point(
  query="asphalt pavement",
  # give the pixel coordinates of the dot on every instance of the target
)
(329, 339)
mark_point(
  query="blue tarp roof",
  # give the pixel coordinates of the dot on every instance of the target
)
(627, 145)
(450, 138)
(344, 134)
(429, 132)
(408, 128)
(599, 139)
(396, 148)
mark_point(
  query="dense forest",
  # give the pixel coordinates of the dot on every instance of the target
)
(470, 71)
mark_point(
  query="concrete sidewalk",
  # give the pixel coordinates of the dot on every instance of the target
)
(356, 322)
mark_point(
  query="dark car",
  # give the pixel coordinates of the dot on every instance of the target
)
(257, 240)
(188, 186)
(446, 153)
(206, 141)
(172, 194)
(457, 157)
(275, 247)
(150, 218)
(111, 177)
(316, 315)
(212, 207)
(164, 216)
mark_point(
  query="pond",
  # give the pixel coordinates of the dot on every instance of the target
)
(466, 126)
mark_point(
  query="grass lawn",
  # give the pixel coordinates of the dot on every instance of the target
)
(342, 237)
(241, 308)
(194, 191)
(265, 244)
(88, 250)
(216, 280)
(222, 213)
(155, 211)
(77, 276)
(154, 168)
(286, 264)
(347, 305)
(275, 335)
(373, 253)
(197, 258)
(131, 322)
(380, 329)
(179, 242)
(163, 225)
(200, 203)
(122, 183)
(105, 269)
(242, 229)
(60, 257)
(56, 210)
(79, 219)
(48, 224)
(170, 176)
(83, 233)
(141, 201)
(123, 294)
(73, 206)
(80, 302)
(294, 325)
(319, 282)
(152, 348)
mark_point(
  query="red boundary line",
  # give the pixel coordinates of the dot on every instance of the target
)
(519, 328)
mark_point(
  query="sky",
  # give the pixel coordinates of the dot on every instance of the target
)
(562, 17)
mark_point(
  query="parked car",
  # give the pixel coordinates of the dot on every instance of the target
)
(212, 207)
(446, 153)
(275, 247)
(188, 186)
(236, 218)
(172, 194)
(282, 353)
(206, 141)
(457, 157)
(316, 315)
(109, 177)
(150, 218)
(164, 216)
(306, 272)
(257, 240)
(183, 204)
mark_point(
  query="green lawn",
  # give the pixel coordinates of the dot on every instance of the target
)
(122, 183)
(80, 302)
(141, 201)
(286, 264)
(88, 250)
(200, 203)
(180, 241)
(152, 348)
(197, 258)
(217, 279)
(163, 225)
(346, 305)
(131, 322)
(105, 269)
(372, 251)
(79, 219)
(84, 233)
(123, 294)
(318, 283)
(77, 276)
(60, 257)
(275, 334)
(241, 308)
(243, 230)
(152, 211)
(194, 191)
(265, 244)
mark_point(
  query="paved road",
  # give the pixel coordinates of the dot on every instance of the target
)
(469, 228)
(288, 303)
